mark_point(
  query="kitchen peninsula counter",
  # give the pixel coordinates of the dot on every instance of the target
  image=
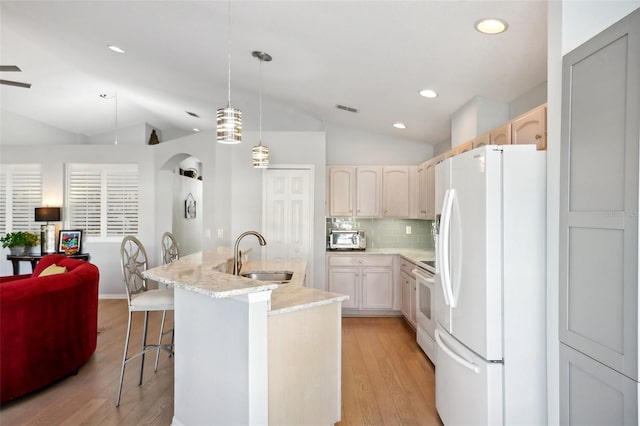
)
(199, 273)
(248, 351)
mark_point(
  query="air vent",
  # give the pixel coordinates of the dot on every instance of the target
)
(346, 108)
(193, 114)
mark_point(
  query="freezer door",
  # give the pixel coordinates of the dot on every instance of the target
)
(473, 282)
(468, 388)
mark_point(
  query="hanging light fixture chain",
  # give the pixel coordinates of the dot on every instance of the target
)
(229, 53)
(260, 125)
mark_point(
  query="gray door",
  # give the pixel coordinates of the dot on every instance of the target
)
(599, 208)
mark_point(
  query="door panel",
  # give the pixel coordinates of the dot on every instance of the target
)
(593, 394)
(287, 215)
(599, 197)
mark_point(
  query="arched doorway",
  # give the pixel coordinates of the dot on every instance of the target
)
(182, 180)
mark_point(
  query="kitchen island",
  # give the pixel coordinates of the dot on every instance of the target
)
(248, 351)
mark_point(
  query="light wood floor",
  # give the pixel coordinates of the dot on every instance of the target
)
(386, 380)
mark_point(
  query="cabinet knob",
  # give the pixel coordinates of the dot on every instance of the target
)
(538, 136)
(359, 260)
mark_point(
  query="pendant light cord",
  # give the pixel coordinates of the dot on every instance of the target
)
(229, 52)
(260, 125)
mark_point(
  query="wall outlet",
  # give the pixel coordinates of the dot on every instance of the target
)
(408, 230)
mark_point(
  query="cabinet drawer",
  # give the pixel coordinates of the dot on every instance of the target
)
(361, 260)
(407, 266)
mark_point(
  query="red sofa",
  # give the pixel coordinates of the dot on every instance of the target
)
(48, 325)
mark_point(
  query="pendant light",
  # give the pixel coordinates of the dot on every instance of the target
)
(260, 153)
(229, 119)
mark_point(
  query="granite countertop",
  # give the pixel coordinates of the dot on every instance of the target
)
(413, 255)
(199, 272)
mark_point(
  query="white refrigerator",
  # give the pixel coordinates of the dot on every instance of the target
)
(490, 267)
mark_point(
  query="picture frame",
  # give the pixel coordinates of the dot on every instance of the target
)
(190, 207)
(70, 241)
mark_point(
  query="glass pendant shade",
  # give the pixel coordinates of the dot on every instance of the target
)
(260, 156)
(229, 125)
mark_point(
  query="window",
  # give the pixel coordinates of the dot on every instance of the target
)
(20, 194)
(102, 199)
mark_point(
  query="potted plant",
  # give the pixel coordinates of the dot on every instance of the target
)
(20, 242)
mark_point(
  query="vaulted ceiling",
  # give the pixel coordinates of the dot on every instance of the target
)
(374, 56)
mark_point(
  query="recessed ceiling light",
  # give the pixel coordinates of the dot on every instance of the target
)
(399, 125)
(115, 49)
(196, 129)
(428, 93)
(491, 26)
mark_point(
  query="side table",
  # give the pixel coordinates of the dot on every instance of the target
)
(15, 260)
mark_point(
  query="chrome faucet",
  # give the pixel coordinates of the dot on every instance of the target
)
(237, 255)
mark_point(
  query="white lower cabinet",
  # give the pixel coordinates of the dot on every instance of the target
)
(366, 279)
(408, 283)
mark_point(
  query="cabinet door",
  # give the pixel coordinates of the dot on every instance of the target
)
(413, 302)
(591, 393)
(481, 140)
(531, 128)
(377, 288)
(431, 190)
(467, 146)
(501, 135)
(422, 190)
(406, 295)
(395, 190)
(599, 197)
(346, 281)
(341, 191)
(368, 190)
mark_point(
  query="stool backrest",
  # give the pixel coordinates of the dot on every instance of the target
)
(170, 250)
(134, 262)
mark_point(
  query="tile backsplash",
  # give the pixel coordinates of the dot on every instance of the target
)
(389, 233)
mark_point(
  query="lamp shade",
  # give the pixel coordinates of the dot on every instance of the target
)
(47, 214)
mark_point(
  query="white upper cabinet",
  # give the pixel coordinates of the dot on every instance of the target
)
(396, 190)
(341, 191)
(426, 189)
(531, 128)
(368, 191)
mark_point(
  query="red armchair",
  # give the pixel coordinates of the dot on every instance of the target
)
(48, 325)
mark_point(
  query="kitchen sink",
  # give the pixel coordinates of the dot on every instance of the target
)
(280, 277)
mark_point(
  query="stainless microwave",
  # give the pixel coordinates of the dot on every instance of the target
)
(347, 240)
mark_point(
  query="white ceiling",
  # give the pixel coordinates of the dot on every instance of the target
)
(372, 55)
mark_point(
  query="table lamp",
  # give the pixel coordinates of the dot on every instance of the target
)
(48, 231)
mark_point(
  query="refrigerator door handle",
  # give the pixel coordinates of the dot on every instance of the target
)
(457, 358)
(445, 240)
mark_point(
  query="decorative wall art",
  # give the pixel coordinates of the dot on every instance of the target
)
(190, 207)
(70, 241)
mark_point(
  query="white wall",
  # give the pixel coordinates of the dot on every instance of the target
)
(346, 145)
(17, 129)
(582, 20)
(476, 117)
(188, 232)
(528, 100)
(285, 148)
(53, 157)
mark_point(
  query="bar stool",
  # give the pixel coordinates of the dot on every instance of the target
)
(141, 299)
(170, 252)
(170, 248)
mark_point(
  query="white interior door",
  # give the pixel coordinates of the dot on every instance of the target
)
(288, 216)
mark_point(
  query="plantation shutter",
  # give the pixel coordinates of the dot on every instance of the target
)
(20, 194)
(122, 202)
(103, 199)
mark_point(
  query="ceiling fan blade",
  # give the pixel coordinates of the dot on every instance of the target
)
(9, 68)
(15, 83)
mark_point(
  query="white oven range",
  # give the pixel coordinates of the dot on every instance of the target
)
(425, 307)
